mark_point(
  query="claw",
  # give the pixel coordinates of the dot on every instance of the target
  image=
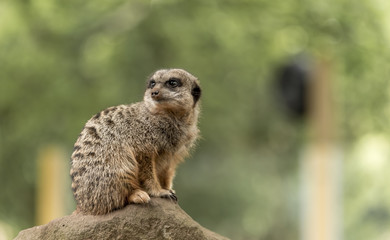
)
(171, 196)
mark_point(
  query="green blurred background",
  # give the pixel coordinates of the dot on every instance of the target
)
(63, 61)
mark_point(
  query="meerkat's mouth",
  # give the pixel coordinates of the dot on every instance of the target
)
(160, 99)
(167, 103)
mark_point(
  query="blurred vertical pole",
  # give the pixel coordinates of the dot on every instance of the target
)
(50, 203)
(321, 163)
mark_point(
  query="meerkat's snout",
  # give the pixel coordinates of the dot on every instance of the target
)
(158, 95)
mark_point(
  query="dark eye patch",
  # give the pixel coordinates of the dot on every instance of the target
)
(174, 82)
(151, 84)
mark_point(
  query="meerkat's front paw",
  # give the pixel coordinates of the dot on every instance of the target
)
(139, 196)
(163, 193)
(171, 195)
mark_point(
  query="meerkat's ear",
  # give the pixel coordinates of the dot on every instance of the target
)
(196, 92)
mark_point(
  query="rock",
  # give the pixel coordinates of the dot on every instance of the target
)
(160, 219)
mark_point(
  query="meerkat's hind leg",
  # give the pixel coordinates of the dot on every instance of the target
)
(139, 196)
(129, 174)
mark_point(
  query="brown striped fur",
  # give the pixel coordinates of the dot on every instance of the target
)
(129, 153)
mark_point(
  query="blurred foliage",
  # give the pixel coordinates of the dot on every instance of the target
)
(63, 61)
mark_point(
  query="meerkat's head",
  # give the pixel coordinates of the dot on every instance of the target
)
(172, 90)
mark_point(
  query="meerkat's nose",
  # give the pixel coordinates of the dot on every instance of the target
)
(155, 93)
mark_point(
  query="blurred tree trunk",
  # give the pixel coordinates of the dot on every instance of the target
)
(321, 172)
(51, 184)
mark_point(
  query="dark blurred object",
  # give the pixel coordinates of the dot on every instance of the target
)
(292, 81)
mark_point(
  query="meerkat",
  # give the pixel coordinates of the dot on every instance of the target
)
(129, 153)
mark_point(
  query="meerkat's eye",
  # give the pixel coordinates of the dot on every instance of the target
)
(152, 83)
(173, 82)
